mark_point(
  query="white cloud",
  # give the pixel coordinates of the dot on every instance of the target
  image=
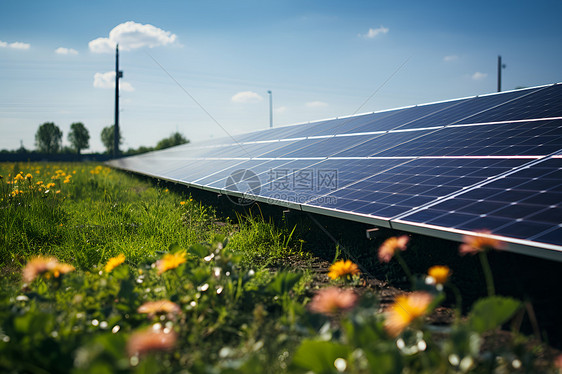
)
(280, 109)
(479, 76)
(65, 51)
(107, 80)
(450, 58)
(131, 35)
(373, 33)
(316, 104)
(245, 97)
(15, 45)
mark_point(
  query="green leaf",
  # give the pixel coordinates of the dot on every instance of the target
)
(199, 250)
(283, 282)
(491, 312)
(319, 356)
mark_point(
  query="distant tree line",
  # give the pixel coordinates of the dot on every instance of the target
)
(48, 140)
(107, 138)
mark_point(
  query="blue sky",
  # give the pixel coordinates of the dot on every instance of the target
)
(321, 59)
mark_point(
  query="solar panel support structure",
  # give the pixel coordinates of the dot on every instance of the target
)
(118, 74)
(500, 67)
(270, 109)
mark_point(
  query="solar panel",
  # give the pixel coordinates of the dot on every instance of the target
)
(444, 169)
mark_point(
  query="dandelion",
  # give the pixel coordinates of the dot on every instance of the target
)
(18, 177)
(44, 265)
(332, 300)
(343, 268)
(113, 262)
(29, 176)
(404, 310)
(153, 308)
(390, 246)
(142, 342)
(438, 274)
(479, 243)
(170, 261)
(49, 185)
(182, 202)
(39, 183)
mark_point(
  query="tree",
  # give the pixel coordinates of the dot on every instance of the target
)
(107, 138)
(79, 137)
(175, 139)
(48, 138)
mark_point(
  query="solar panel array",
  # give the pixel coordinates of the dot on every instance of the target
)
(444, 169)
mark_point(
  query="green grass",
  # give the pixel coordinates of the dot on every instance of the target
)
(240, 307)
(98, 214)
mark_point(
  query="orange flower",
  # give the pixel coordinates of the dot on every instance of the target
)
(153, 308)
(390, 246)
(113, 262)
(438, 274)
(558, 362)
(142, 342)
(182, 202)
(479, 243)
(331, 300)
(404, 310)
(44, 265)
(343, 268)
(61, 269)
(170, 261)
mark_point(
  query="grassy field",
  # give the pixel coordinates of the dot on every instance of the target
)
(105, 273)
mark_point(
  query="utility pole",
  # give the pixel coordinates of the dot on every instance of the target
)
(500, 67)
(270, 110)
(118, 74)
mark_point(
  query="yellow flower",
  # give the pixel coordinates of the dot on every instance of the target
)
(182, 202)
(18, 177)
(113, 262)
(390, 246)
(343, 268)
(39, 183)
(479, 243)
(29, 176)
(438, 274)
(170, 261)
(153, 308)
(404, 310)
(44, 265)
(50, 185)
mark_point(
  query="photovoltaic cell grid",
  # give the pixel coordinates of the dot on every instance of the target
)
(445, 169)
